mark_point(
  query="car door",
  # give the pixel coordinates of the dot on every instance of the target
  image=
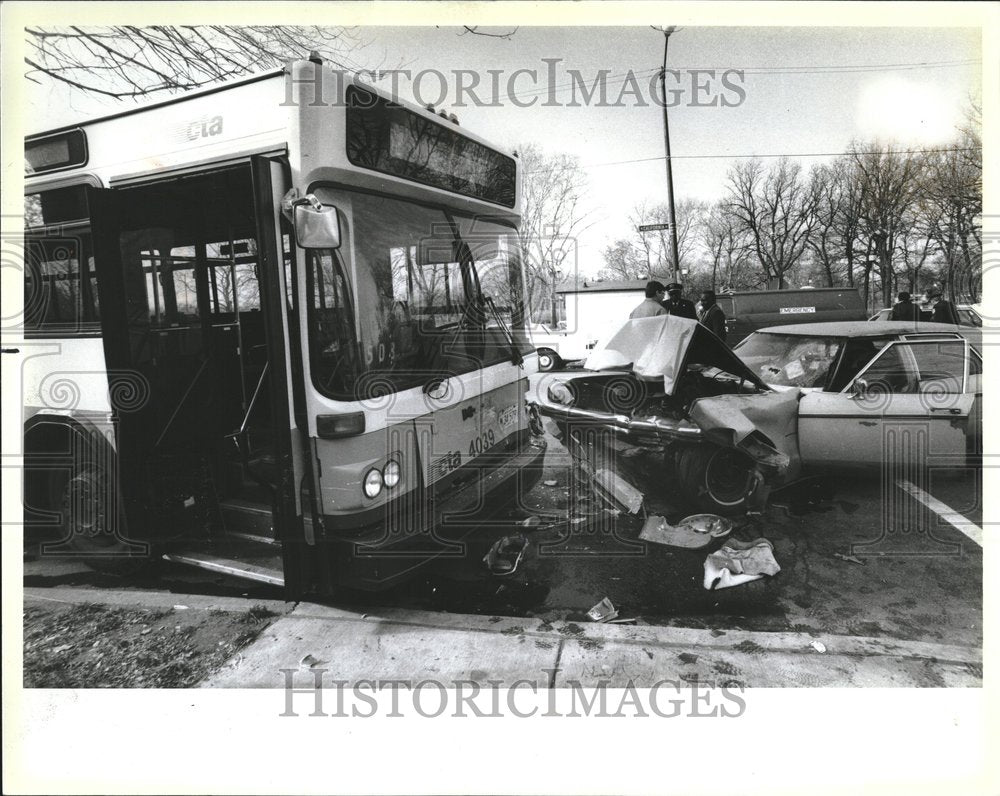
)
(915, 400)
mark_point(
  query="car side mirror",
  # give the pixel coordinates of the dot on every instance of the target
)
(859, 389)
(317, 226)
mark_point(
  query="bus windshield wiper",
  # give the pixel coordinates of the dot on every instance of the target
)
(515, 355)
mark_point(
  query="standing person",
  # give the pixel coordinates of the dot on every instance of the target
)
(904, 309)
(712, 315)
(677, 305)
(944, 310)
(651, 305)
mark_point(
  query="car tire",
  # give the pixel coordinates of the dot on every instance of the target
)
(549, 360)
(717, 480)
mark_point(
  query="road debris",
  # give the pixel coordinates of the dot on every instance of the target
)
(604, 611)
(310, 661)
(550, 483)
(620, 491)
(819, 646)
(505, 554)
(738, 562)
(852, 559)
(692, 532)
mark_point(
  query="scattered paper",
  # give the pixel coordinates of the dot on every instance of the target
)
(819, 646)
(604, 611)
(852, 559)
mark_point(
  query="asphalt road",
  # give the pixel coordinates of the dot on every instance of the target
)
(920, 579)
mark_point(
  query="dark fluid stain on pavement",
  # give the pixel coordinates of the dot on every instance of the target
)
(749, 647)
(571, 629)
(687, 657)
(810, 496)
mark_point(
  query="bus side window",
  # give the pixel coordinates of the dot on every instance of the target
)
(55, 297)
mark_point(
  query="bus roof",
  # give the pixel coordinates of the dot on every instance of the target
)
(182, 96)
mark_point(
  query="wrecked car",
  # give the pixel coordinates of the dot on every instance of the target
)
(733, 424)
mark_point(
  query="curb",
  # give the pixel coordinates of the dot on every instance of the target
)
(151, 599)
(738, 641)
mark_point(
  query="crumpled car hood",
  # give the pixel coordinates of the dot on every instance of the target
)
(662, 347)
(763, 426)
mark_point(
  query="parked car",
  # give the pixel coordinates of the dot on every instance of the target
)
(968, 315)
(788, 400)
(555, 345)
(751, 310)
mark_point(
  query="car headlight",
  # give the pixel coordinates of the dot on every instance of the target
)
(391, 474)
(373, 483)
(561, 393)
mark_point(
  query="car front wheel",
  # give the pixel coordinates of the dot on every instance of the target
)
(718, 480)
(549, 360)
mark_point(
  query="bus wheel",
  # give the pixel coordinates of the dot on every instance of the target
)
(89, 514)
(549, 360)
(718, 480)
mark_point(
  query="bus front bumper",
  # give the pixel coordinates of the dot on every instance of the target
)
(377, 550)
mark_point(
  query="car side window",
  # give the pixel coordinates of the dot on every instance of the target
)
(940, 366)
(975, 363)
(933, 366)
(890, 372)
(858, 352)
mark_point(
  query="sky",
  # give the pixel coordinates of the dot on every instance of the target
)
(804, 92)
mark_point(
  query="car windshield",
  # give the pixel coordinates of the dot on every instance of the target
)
(790, 360)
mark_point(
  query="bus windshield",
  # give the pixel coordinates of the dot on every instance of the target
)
(431, 293)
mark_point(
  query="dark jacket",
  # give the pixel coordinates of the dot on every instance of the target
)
(944, 312)
(714, 319)
(681, 307)
(905, 311)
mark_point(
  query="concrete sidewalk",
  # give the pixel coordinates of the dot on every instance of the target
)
(392, 644)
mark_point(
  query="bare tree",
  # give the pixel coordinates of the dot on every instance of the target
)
(775, 208)
(728, 249)
(889, 180)
(624, 260)
(129, 61)
(689, 214)
(951, 201)
(551, 220)
(828, 185)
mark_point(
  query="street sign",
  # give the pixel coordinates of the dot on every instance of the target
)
(653, 227)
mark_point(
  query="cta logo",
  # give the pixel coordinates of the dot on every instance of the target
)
(207, 127)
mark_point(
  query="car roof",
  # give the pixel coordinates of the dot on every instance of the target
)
(859, 328)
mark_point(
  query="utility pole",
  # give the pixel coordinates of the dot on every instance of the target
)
(666, 143)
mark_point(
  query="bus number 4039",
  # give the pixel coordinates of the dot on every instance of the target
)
(482, 442)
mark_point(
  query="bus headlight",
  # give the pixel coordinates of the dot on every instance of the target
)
(372, 483)
(391, 474)
(560, 393)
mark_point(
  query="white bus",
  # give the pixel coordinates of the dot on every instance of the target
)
(274, 328)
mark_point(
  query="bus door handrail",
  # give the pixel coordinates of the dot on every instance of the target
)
(239, 436)
(182, 401)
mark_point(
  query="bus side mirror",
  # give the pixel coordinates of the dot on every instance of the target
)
(317, 226)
